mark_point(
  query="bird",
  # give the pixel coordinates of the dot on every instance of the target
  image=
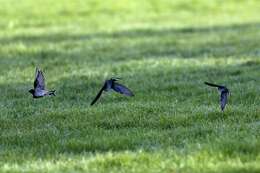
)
(224, 92)
(39, 89)
(111, 84)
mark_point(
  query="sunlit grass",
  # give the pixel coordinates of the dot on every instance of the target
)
(162, 50)
(166, 161)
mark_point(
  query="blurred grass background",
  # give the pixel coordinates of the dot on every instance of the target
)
(164, 51)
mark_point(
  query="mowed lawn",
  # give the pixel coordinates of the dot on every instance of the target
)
(163, 51)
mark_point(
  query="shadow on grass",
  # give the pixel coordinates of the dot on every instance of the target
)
(94, 49)
(133, 34)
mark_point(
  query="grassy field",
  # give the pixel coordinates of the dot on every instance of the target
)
(164, 51)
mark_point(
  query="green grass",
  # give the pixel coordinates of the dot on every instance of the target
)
(164, 51)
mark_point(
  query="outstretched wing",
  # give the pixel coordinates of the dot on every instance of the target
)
(122, 89)
(98, 95)
(212, 85)
(39, 81)
(223, 100)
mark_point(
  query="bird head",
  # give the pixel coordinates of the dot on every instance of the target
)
(31, 91)
(115, 78)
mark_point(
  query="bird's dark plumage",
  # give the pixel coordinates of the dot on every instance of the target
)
(223, 99)
(39, 89)
(224, 92)
(98, 95)
(39, 81)
(112, 84)
(122, 89)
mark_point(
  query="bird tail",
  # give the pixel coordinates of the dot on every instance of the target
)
(211, 84)
(52, 93)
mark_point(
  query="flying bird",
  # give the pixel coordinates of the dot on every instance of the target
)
(111, 84)
(39, 89)
(224, 92)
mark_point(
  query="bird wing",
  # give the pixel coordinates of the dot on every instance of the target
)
(39, 82)
(98, 95)
(212, 85)
(122, 89)
(223, 99)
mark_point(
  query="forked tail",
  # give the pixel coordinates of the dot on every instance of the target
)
(52, 93)
(211, 84)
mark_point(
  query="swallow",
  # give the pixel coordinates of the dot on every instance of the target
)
(39, 89)
(111, 84)
(224, 92)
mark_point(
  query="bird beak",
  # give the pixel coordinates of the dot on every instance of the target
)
(116, 78)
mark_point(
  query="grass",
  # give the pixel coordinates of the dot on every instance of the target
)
(164, 51)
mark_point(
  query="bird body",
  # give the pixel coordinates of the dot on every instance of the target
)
(224, 92)
(39, 89)
(41, 93)
(111, 84)
(108, 86)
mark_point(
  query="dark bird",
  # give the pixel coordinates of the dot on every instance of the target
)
(39, 89)
(111, 84)
(224, 92)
